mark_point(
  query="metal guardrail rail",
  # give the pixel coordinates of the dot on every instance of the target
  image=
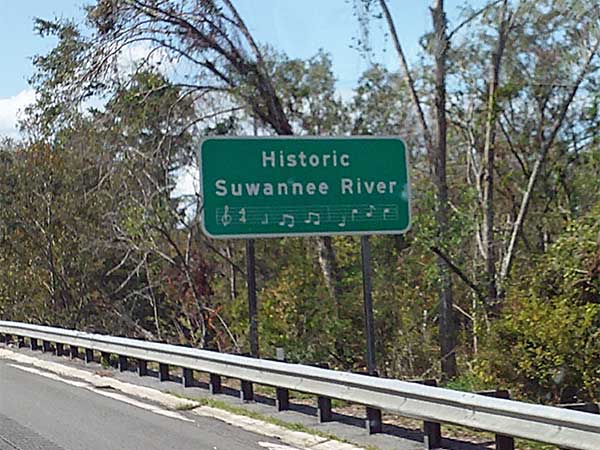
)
(551, 425)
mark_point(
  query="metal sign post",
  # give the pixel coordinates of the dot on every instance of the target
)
(252, 305)
(373, 422)
(365, 253)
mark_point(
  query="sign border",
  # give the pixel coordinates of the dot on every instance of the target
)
(302, 234)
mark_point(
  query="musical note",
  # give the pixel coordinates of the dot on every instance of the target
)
(226, 217)
(314, 218)
(287, 218)
(370, 212)
(340, 216)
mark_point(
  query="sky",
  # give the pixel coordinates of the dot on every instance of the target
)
(299, 28)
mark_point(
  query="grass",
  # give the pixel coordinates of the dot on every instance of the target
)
(239, 410)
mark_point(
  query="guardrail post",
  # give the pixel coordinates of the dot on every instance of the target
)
(432, 431)
(7, 338)
(214, 383)
(89, 355)
(142, 367)
(282, 395)
(123, 363)
(324, 409)
(2, 337)
(503, 442)
(373, 422)
(20, 341)
(246, 391)
(105, 359)
(324, 413)
(187, 378)
(59, 349)
(432, 435)
(282, 400)
(46, 346)
(74, 352)
(163, 372)
(33, 344)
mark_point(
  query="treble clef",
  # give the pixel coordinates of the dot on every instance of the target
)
(226, 217)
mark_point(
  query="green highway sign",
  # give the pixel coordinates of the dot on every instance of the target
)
(297, 186)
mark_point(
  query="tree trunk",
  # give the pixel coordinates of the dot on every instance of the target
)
(437, 155)
(329, 269)
(447, 323)
(489, 243)
(232, 273)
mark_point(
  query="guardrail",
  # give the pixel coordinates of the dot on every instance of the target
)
(551, 425)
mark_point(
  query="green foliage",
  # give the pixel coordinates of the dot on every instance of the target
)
(470, 381)
(54, 105)
(308, 86)
(381, 102)
(296, 311)
(547, 342)
(48, 238)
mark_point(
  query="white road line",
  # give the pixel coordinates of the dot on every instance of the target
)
(299, 439)
(49, 375)
(168, 401)
(147, 406)
(113, 395)
(271, 446)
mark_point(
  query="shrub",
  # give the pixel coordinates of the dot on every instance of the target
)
(547, 342)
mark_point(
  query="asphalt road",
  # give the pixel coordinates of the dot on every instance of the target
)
(45, 414)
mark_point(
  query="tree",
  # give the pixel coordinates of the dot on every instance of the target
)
(555, 91)
(552, 322)
(212, 39)
(435, 147)
(508, 110)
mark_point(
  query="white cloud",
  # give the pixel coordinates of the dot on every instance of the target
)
(12, 109)
(133, 55)
(187, 182)
(186, 188)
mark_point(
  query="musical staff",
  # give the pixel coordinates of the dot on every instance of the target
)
(338, 216)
